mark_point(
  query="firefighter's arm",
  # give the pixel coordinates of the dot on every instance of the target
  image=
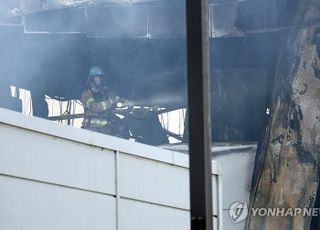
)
(89, 103)
(118, 101)
(123, 102)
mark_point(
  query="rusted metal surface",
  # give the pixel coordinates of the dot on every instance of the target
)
(288, 168)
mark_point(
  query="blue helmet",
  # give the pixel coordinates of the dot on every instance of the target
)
(96, 70)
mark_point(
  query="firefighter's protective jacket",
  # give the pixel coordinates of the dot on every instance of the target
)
(97, 108)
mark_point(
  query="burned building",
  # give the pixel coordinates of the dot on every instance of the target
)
(50, 45)
(264, 75)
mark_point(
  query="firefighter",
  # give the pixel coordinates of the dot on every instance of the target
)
(99, 103)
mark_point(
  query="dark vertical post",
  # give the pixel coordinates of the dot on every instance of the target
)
(199, 114)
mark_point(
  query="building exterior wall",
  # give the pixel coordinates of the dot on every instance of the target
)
(57, 177)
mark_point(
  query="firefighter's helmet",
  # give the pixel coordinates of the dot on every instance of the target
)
(96, 79)
(96, 71)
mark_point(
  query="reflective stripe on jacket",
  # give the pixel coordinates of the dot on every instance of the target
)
(96, 122)
(90, 104)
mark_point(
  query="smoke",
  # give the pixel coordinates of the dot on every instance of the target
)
(165, 101)
(54, 48)
(140, 44)
(8, 8)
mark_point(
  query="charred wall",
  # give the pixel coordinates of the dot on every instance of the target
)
(287, 169)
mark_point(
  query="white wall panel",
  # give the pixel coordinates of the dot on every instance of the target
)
(143, 216)
(229, 225)
(237, 168)
(31, 205)
(57, 177)
(42, 157)
(153, 181)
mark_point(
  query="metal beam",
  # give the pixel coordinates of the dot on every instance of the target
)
(199, 114)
